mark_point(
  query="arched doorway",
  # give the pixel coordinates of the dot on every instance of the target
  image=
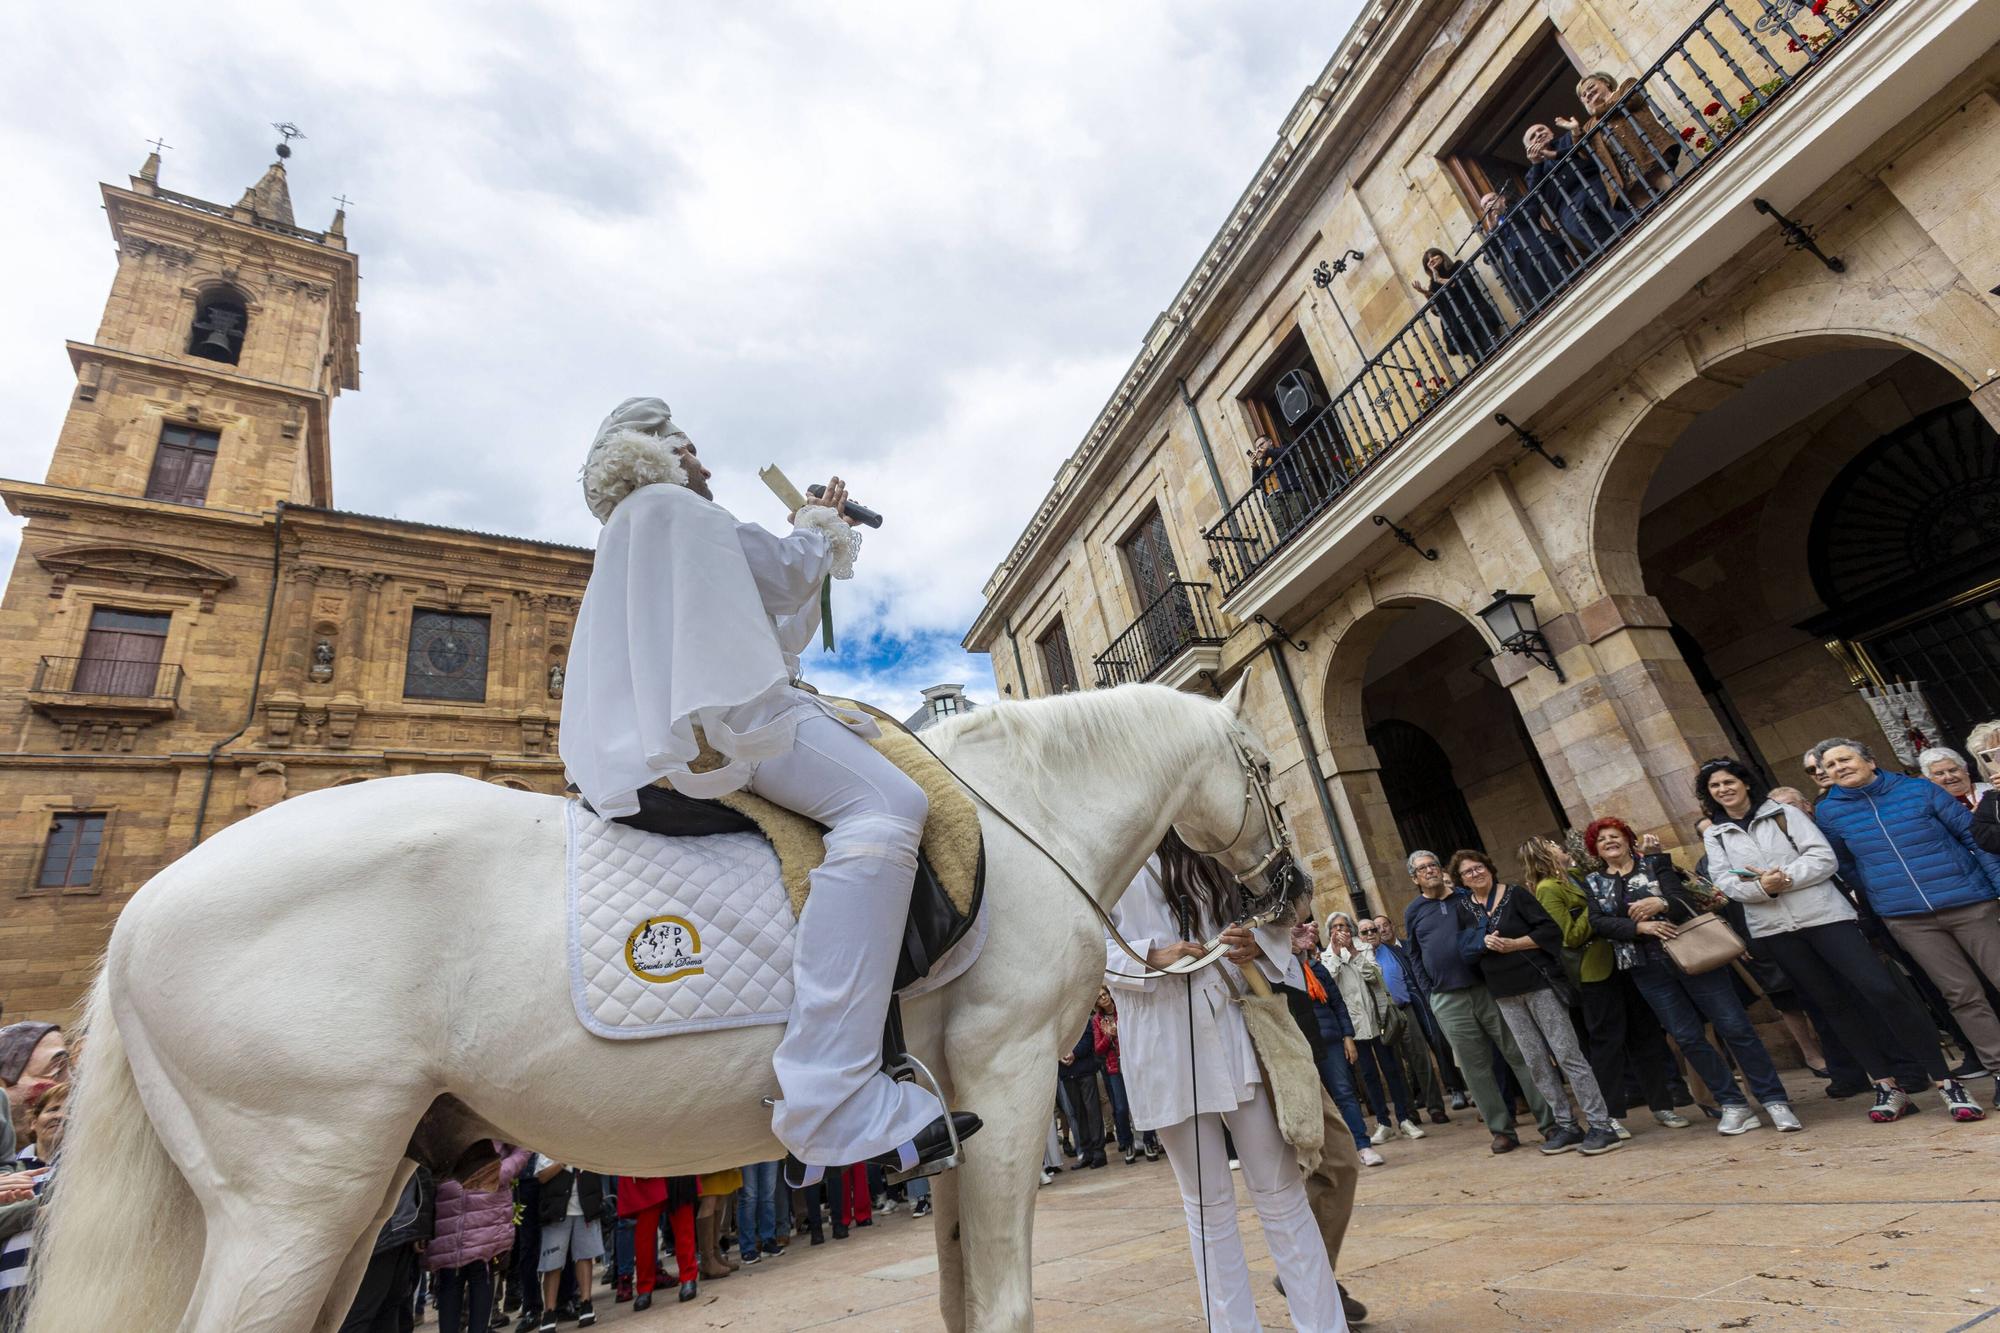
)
(1430, 810)
(1429, 748)
(1905, 552)
(1841, 500)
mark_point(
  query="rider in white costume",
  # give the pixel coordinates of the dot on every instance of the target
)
(694, 620)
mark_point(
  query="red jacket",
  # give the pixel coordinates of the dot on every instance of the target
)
(638, 1193)
(1105, 1043)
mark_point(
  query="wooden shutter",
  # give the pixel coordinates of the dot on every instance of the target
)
(121, 653)
(1058, 661)
(183, 466)
(1150, 557)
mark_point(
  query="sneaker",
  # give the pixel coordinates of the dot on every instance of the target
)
(1891, 1104)
(1411, 1130)
(1566, 1139)
(1782, 1118)
(1381, 1134)
(1958, 1103)
(1969, 1068)
(1672, 1119)
(585, 1316)
(923, 1208)
(548, 1324)
(1620, 1130)
(1047, 1175)
(1130, 1155)
(1738, 1120)
(1152, 1152)
(753, 1257)
(1458, 1102)
(1369, 1157)
(1599, 1140)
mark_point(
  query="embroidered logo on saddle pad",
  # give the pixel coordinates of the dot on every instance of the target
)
(663, 949)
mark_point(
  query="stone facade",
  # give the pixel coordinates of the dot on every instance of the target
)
(1704, 401)
(287, 622)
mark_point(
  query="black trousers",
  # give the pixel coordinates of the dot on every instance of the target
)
(462, 1294)
(1086, 1116)
(1625, 1037)
(386, 1301)
(1872, 1015)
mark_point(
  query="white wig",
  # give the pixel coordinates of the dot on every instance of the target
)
(634, 447)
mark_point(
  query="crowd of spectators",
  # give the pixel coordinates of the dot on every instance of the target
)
(1867, 916)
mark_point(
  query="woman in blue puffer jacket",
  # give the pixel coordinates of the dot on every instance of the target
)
(1908, 844)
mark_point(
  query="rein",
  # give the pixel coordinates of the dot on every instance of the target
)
(1255, 787)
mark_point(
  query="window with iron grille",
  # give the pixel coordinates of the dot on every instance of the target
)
(1057, 660)
(183, 465)
(447, 657)
(69, 854)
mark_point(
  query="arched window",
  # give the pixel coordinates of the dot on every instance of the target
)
(219, 324)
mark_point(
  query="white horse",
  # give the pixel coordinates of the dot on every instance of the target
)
(280, 1009)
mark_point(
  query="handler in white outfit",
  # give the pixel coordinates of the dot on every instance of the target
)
(1189, 1073)
(693, 619)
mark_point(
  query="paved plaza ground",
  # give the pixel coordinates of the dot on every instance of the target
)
(1846, 1226)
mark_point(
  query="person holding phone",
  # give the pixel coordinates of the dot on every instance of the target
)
(1778, 864)
(1630, 902)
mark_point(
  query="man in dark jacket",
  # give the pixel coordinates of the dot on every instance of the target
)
(1086, 1111)
(571, 1210)
(386, 1301)
(1908, 844)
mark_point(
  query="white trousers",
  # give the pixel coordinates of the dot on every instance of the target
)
(1278, 1192)
(836, 1105)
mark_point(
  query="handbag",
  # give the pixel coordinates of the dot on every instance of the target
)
(1706, 942)
(1285, 1059)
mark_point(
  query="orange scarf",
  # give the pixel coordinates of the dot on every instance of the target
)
(1313, 988)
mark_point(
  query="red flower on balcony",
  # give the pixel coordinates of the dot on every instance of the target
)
(1702, 142)
(1819, 6)
(1793, 45)
(1712, 109)
(1687, 135)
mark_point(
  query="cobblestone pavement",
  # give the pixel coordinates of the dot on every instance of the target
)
(1849, 1225)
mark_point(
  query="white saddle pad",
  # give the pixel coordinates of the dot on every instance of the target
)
(672, 935)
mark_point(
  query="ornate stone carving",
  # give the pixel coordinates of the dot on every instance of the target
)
(322, 661)
(265, 785)
(555, 680)
(138, 567)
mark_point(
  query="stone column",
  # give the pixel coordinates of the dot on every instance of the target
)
(302, 582)
(1355, 775)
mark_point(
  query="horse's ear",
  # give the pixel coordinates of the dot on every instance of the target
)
(1233, 700)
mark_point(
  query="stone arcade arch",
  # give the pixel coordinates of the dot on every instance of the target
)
(1429, 749)
(1720, 516)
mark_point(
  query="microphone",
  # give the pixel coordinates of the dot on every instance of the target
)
(861, 514)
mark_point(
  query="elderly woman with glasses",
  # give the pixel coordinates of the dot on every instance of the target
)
(1369, 1008)
(1947, 768)
(1777, 863)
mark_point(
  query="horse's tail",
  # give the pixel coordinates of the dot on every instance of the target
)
(120, 1241)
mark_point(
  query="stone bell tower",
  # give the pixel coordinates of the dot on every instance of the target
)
(228, 332)
(137, 609)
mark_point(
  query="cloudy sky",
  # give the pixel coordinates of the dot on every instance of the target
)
(916, 243)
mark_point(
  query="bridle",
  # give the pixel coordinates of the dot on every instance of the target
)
(1256, 794)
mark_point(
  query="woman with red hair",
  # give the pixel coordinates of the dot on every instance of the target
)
(1631, 900)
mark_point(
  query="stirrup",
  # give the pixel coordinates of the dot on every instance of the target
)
(906, 1068)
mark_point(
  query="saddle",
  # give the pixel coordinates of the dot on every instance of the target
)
(950, 878)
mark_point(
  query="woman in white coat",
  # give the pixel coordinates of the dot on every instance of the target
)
(1190, 1069)
(1777, 863)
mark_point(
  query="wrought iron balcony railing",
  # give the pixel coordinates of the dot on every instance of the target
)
(1178, 619)
(1595, 189)
(142, 682)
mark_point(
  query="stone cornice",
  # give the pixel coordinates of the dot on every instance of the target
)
(34, 499)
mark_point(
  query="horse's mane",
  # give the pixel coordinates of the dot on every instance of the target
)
(1130, 733)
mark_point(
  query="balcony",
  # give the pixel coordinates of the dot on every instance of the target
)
(1682, 141)
(1174, 640)
(106, 691)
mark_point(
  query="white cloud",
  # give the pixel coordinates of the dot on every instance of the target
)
(915, 242)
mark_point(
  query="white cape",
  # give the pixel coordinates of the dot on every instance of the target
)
(691, 619)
